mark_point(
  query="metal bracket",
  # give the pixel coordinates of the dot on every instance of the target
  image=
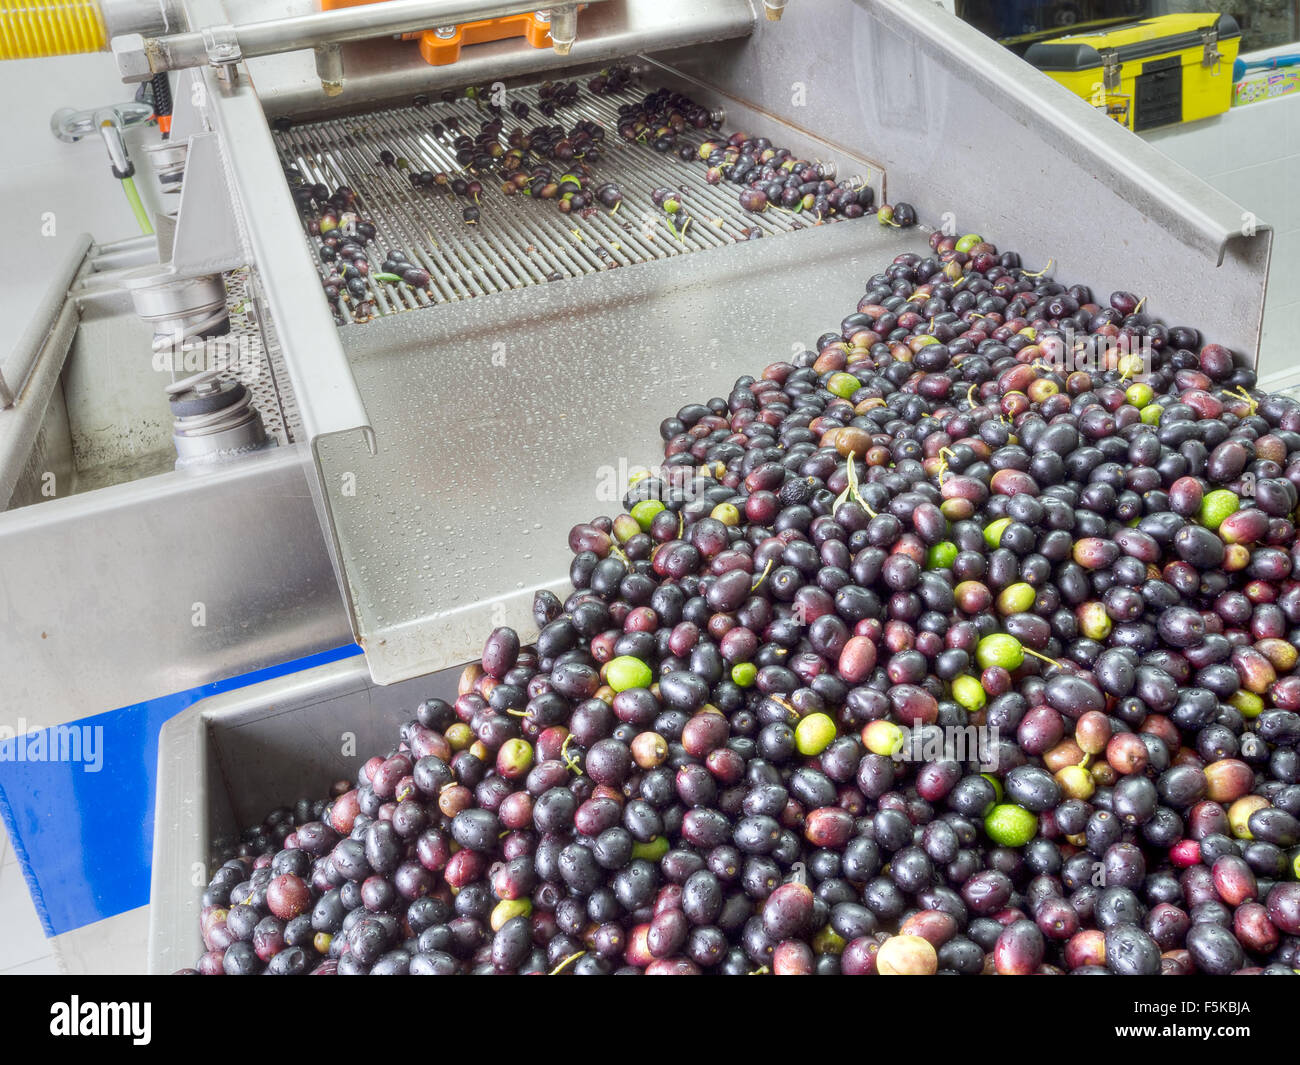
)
(564, 28)
(189, 108)
(329, 68)
(207, 239)
(222, 45)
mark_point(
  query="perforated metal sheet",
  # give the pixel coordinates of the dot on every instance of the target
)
(520, 241)
(259, 367)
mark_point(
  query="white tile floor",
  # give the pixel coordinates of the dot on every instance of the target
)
(24, 950)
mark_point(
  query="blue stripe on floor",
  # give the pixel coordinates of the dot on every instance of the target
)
(84, 835)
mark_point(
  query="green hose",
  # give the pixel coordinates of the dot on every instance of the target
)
(133, 198)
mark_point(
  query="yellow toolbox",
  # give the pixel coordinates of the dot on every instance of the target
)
(1159, 71)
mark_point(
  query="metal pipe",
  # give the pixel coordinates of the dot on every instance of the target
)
(141, 58)
(131, 251)
(141, 16)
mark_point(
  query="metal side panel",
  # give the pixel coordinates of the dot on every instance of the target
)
(383, 71)
(309, 351)
(155, 586)
(515, 416)
(966, 129)
(29, 374)
(327, 396)
(225, 763)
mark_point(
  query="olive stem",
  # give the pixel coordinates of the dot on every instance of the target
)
(766, 570)
(572, 763)
(852, 489)
(1031, 651)
(566, 963)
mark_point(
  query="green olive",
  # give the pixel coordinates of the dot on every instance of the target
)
(1010, 825)
(968, 691)
(652, 851)
(1094, 622)
(1216, 506)
(843, 385)
(1016, 598)
(999, 649)
(993, 531)
(507, 910)
(727, 513)
(941, 555)
(1139, 395)
(626, 672)
(514, 758)
(813, 734)
(1076, 782)
(884, 738)
(645, 512)
(625, 527)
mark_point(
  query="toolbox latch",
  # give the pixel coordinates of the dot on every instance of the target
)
(1110, 72)
(1210, 54)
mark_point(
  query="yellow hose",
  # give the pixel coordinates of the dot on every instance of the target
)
(133, 198)
(32, 28)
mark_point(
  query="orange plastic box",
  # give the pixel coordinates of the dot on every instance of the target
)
(439, 51)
